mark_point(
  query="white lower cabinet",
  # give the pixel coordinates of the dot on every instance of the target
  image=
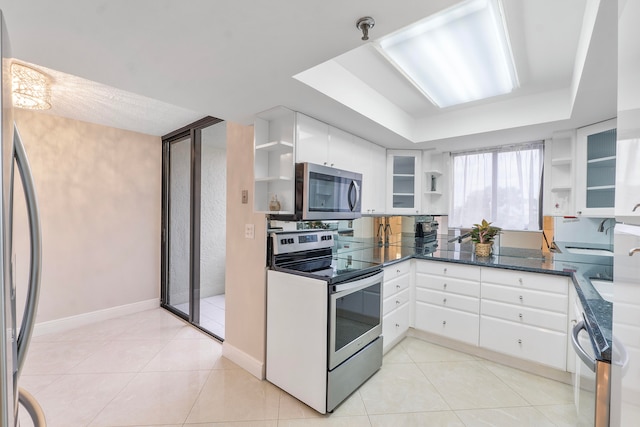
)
(525, 342)
(520, 314)
(447, 300)
(525, 315)
(396, 303)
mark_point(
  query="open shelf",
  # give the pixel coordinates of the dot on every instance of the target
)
(273, 178)
(433, 172)
(563, 161)
(560, 188)
(433, 193)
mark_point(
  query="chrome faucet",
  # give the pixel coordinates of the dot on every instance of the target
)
(601, 226)
(387, 234)
(380, 233)
(459, 238)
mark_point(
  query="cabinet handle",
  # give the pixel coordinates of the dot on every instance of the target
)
(520, 297)
(444, 301)
(444, 286)
(519, 341)
(635, 207)
(397, 302)
(633, 251)
(397, 286)
(444, 323)
(445, 271)
(325, 163)
(520, 316)
(331, 164)
(397, 325)
(398, 271)
(520, 280)
(579, 212)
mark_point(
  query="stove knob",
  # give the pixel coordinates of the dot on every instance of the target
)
(290, 241)
(283, 241)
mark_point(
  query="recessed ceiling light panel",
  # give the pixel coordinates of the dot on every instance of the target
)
(459, 55)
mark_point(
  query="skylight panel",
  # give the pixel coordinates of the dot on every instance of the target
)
(460, 55)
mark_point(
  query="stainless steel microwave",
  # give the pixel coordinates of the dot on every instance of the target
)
(325, 193)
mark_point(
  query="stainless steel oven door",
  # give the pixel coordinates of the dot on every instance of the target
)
(355, 317)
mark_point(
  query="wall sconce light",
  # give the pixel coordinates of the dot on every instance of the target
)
(30, 88)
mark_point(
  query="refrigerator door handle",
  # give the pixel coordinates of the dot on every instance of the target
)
(33, 292)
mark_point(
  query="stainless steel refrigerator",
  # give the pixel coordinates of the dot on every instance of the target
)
(14, 341)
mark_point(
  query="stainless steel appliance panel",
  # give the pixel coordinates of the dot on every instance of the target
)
(327, 193)
(346, 378)
(355, 317)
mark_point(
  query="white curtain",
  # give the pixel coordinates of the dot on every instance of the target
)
(502, 186)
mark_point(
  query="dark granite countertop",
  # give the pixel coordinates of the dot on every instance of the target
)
(581, 268)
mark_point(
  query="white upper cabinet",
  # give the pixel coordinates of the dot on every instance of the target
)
(370, 160)
(404, 182)
(596, 169)
(312, 142)
(628, 171)
(559, 174)
(322, 144)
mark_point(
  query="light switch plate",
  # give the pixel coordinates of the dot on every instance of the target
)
(249, 231)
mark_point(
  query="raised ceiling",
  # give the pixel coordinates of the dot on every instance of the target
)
(234, 59)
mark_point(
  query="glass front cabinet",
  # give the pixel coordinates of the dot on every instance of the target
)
(404, 180)
(596, 169)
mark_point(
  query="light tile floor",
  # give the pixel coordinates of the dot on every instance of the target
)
(151, 368)
(211, 313)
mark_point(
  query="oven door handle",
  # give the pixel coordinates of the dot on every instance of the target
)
(358, 284)
(591, 363)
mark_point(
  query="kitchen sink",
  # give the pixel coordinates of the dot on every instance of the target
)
(589, 251)
(604, 288)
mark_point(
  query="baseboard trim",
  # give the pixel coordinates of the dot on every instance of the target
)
(242, 359)
(67, 323)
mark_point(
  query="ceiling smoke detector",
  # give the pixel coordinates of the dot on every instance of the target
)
(365, 24)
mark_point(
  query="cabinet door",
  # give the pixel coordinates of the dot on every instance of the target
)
(628, 180)
(371, 161)
(403, 182)
(342, 151)
(312, 143)
(596, 169)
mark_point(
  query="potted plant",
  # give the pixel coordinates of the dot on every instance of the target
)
(482, 235)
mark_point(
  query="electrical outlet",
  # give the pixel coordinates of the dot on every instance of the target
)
(245, 197)
(249, 231)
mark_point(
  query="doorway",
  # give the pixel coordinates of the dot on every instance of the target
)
(194, 224)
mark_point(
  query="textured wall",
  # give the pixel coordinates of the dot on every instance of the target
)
(213, 210)
(180, 221)
(99, 193)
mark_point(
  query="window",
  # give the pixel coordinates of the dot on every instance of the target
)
(502, 185)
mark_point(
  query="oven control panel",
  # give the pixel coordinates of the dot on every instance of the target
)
(296, 241)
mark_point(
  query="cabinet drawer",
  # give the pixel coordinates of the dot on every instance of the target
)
(395, 301)
(396, 270)
(394, 325)
(525, 315)
(449, 269)
(448, 284)
(526, 342)
(453, 324)
(395, 285)
(525, 297)
(448, 300)
(522, 280)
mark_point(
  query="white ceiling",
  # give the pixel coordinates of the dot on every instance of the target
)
(156, 65)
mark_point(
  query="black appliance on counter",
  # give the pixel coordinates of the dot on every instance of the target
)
(324, 319)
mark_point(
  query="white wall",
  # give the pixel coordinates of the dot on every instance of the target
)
(99, 192)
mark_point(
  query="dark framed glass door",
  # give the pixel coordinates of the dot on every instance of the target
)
(181, 223)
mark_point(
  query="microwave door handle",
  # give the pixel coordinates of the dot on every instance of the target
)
(354, 187)
(591, 364)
